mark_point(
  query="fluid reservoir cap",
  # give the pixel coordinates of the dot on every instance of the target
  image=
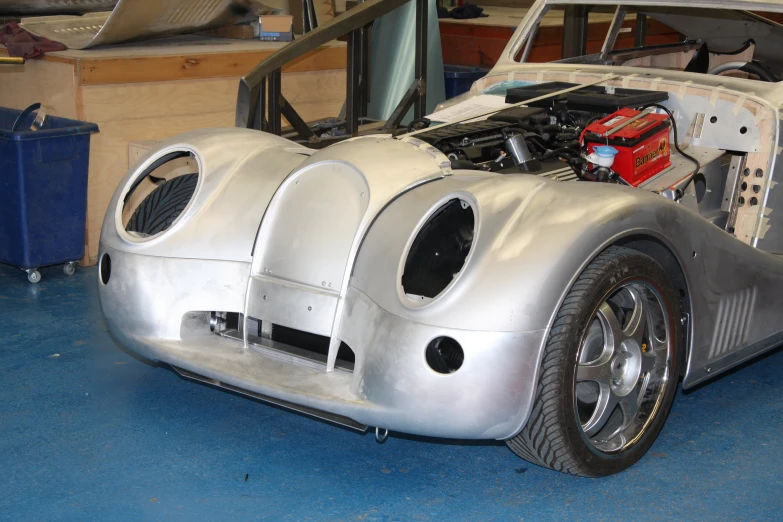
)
(605, 151)
(603, 155)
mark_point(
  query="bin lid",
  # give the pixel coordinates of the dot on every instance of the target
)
(464, 72)
(53, 127)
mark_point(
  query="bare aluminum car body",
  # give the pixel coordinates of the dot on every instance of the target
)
(49, 7)
(316, 240)
(131, 20)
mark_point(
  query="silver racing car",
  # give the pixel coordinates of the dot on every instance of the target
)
(542, 271)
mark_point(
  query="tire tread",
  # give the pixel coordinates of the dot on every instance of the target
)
(163, 205)
(543, 440)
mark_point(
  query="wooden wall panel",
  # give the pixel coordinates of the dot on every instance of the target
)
(49, 83)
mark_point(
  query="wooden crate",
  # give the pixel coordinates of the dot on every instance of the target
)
(155, 90)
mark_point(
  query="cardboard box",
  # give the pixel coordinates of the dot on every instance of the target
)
(276, 28)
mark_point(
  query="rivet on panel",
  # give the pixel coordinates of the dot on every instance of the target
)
(309, 308)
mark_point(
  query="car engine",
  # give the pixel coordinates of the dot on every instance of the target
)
(592, 134)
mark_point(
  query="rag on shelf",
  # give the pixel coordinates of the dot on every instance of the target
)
(22, 43)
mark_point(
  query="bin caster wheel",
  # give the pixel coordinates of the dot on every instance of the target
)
(33, 276)
(69, 268)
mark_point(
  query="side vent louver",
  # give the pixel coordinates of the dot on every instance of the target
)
(733, 322)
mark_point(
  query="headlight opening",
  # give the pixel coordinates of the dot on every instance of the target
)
(439, 250)
(160, 194)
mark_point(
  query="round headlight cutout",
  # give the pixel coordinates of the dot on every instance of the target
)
(439, 250)
(160, 194)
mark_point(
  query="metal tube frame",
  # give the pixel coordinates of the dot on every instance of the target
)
(640, 30)
(251, 107)
(420, 68)
(575, 31)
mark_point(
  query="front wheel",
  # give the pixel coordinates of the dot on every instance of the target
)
(609, 370)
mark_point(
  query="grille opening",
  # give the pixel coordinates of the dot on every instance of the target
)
(228, 324)
(444, 355)
(160, 194)
(305, 345)
(310, 345)
(439, 250)
(345, 356)
(317, 344)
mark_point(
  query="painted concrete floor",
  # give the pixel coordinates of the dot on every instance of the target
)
(87, 432)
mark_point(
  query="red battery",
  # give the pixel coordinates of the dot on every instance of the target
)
(643, 145)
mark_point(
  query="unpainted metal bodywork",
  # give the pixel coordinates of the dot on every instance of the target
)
(131, 20)
(317, 240)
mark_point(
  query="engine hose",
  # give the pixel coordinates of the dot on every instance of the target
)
(569, 160)
(558, 153)
(584, 131)
(677, 146)
(424, 122)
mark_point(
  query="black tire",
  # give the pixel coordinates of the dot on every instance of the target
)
(554, 436)
(163, 205)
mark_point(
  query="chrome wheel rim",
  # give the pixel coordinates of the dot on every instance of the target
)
(623, 367)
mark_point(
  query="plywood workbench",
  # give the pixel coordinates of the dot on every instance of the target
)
(155, 90)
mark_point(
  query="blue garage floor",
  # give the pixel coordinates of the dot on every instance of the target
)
(89, 432)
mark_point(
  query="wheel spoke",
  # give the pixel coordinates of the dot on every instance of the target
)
(629, 405)
(638, 321)
(613, 331)
(660, 352)
(607, 401)
(649, 362)
(599, 371)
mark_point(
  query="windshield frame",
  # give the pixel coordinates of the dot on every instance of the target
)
(527, 30)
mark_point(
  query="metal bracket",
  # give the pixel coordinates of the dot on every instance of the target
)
(733, 190)
(414, 93)
(698, 126)
(294, 119)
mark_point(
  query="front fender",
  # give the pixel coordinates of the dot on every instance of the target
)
(535, 236)
(532, 237)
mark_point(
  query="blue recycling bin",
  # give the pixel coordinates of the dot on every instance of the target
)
(460, 78)
(43, 190)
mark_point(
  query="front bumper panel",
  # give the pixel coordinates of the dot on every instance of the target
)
(391, 387)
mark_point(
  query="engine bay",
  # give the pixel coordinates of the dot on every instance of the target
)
(594, 134)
